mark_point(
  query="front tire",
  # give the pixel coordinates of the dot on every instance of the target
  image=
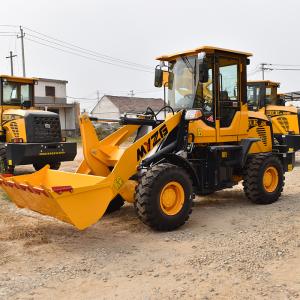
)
(164, 197)
(263, 179)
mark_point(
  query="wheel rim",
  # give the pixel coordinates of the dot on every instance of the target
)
(270, 179)
(172, 198)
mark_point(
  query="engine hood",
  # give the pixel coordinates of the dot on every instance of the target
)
(25, 113)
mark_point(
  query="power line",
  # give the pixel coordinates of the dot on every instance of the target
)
(98, 92)
(87, 51)
(149, 92)
(81, 98)
(283, 69)
(8, 32)
(131, 93)
(112, 92)
(8, 26)
(254, 71)
(87, 57)
(283, 65)
(270, 67)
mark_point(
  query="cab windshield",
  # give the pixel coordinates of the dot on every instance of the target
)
(260, 95)
(16, 93)
(185, 91)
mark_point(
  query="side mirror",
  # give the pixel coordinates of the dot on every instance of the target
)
(158, 80)
(193, 114)
(203, 67)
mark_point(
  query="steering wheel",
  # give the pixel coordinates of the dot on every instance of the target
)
(205, 104)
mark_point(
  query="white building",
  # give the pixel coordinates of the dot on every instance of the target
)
(51, 95)
(112, 107)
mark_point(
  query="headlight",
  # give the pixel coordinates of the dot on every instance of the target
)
(17, 140)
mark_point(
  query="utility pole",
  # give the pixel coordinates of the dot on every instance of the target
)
(263, 68)
(131, 93)
(23, 53)
(11, 56)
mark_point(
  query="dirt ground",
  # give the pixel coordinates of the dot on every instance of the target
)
(230, 249)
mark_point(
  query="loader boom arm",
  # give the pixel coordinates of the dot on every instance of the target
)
(101, 156)
(126, 167)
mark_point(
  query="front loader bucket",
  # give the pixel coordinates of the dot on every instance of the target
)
(107, 170)
(78, 199)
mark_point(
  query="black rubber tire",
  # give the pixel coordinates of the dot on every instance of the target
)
(147, 197)
(203, 194)
(53, 166)
(253, 178)
(4, 168)
(115, 204)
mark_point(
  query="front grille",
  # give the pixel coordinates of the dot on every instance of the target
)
(284, 123)
(14, 128)
(261, 131)
(43, 129)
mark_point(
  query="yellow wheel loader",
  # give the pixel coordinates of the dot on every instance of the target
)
(208, 141)
(263, 97)
(28, 136)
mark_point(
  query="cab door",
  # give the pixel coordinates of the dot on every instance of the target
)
(232, 113)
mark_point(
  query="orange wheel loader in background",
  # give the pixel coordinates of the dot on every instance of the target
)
(208, 141)
(28, 135)
(263, 97)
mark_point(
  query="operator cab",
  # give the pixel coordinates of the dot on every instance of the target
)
(16, 91)
(261, 93)
(209, 79)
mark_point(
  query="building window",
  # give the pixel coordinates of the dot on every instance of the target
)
(50, 91)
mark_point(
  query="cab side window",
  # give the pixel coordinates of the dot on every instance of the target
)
(228, 90)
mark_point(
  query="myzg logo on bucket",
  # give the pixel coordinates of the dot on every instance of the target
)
(155, 138)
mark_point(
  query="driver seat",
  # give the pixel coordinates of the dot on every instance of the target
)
(227, 111)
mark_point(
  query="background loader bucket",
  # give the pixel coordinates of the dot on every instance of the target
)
(78, 199)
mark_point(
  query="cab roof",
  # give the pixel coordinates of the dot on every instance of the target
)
(207, 49)
(267, 82)
(18, 79)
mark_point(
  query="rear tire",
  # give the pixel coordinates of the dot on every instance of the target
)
(115, 204)
(53, 166)
(263, 179)
(164, 197)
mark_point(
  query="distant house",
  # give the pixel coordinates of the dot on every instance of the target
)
(51, 95)
(112, 107)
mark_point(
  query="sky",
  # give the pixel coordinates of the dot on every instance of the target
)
(137, 31)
